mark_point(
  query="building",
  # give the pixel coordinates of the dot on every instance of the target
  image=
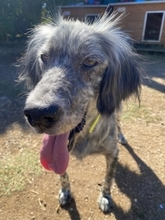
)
(144, 20)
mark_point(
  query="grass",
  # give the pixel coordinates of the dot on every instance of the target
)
(17, 170)
(133, 112)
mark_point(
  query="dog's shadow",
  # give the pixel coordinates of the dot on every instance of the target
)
(145, 191)
(71, 208)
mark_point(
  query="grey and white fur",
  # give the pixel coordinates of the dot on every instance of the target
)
(73, 68)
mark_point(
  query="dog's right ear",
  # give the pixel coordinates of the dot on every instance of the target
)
(29, 67)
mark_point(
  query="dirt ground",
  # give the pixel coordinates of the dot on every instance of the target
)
(138, 190)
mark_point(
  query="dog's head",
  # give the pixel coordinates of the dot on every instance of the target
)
(69, 64)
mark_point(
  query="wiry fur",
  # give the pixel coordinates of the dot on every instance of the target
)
(60, 77)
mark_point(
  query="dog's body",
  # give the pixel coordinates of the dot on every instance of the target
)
(78, 74)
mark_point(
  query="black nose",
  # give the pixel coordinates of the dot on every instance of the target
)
(42, 116)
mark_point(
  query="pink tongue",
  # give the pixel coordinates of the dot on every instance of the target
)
(54, 153)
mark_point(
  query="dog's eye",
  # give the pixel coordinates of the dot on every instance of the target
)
(90, 63)
(44, 57)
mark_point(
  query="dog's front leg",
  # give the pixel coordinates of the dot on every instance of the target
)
(65, 192)
(105, 202)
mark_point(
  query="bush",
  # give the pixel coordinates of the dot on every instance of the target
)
(17, 16)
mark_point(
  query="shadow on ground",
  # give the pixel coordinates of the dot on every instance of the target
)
(145, 191)
(155, 70)
(11, 96)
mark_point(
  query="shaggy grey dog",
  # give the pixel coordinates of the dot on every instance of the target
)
(78, 74)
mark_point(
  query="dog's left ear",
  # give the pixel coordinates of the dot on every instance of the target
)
(121, 79)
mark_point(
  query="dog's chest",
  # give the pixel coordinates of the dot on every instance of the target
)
(85, 140)
(103, 136)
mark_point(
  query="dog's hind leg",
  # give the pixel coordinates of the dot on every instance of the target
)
(65, 192)
(104, 201)
(121, 138)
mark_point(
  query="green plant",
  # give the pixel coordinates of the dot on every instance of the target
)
(18, 170)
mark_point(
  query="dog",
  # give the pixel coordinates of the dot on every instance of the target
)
(77, 75)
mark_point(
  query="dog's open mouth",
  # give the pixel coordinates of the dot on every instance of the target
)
(54, 153)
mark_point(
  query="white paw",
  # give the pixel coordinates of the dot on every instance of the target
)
(105, 203)
(121, 139)
(64, 197)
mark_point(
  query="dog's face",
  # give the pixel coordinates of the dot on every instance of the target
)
(70, 64)
(69, 74)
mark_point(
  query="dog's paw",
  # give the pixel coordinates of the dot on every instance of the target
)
(64, 197)
(105, 203)
(121, 139)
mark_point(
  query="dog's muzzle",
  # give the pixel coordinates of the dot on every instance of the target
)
(45, 118)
